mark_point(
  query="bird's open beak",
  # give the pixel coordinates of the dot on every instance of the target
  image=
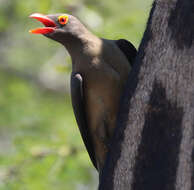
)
(48, 23)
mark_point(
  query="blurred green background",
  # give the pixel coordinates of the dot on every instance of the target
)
(40, 145)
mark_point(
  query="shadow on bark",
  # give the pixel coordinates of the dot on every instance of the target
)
(157, 158)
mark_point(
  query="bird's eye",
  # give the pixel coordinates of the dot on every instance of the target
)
(63, 19)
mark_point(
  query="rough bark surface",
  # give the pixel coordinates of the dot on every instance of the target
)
(153, 145)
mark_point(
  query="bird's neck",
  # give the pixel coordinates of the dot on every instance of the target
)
(79, 44)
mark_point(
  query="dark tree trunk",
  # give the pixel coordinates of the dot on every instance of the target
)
(153, 145)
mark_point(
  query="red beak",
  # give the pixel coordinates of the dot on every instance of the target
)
(48, 23)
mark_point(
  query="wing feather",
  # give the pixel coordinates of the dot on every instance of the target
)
(128, 49)
(77, 97)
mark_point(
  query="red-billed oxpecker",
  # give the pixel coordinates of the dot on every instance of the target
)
(100, 68)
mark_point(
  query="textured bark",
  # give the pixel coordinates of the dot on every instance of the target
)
(153, 145)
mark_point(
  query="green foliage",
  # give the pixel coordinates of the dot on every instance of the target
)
(45, 147)
(40, 145)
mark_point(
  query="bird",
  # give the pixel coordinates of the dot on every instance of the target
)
(100, 68)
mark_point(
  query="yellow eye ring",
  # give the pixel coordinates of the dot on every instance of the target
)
(63, 19)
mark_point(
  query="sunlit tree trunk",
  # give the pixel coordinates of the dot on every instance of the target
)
(153, 145)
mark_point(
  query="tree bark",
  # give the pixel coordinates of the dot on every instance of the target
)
(153, 144)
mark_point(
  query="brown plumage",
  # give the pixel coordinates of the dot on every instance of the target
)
(100, 69)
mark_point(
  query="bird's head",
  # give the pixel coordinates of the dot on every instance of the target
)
(59, 27)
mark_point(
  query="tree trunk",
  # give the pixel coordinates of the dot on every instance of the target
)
(153, 145)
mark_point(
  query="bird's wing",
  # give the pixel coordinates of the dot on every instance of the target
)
(77, 98)
(128, 49)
